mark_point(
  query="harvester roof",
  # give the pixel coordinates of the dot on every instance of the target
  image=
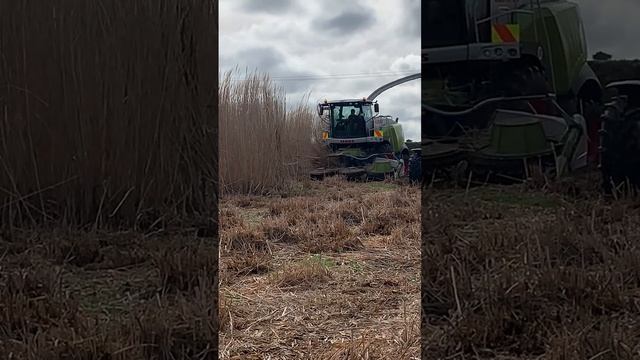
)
(347, 101)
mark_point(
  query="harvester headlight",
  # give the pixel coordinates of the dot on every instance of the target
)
(487, 53)
(513, 52)
(499, 51)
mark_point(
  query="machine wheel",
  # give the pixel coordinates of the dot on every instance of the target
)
(406, 157)
(415, 168)
(621, 146)
(591, 111)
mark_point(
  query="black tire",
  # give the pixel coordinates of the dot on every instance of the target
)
(620, 158)
(406, 156)
(415, 168)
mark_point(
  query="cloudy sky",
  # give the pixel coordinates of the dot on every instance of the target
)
(345, 49)
(332, 48)
(612, 26)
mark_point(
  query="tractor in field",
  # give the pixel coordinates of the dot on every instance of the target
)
(361, 143)
(508, 92)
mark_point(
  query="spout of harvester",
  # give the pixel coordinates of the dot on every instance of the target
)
(394, 83)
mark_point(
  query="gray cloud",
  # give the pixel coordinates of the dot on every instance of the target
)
(274, 63)
(296, 86)
(263, 58)
(611, 26)
(411, 23)
(271, 6)
(304, 50)
(347, 22)
(313, 38)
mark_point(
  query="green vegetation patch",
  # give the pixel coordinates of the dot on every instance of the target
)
(324, 261)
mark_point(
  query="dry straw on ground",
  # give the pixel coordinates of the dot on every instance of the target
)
(309, 276)
(106, 110)
(132, 299)
(518, 273)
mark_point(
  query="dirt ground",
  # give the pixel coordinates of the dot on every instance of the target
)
(531, 272)
(329, 271)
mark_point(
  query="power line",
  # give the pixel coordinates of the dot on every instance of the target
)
(351, 74)
(338, 78)
(372, 75)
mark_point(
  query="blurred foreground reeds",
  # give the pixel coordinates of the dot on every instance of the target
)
(107, 111)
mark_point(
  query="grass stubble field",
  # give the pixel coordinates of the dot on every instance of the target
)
(328, 271)
(79, 295)
(531, 272)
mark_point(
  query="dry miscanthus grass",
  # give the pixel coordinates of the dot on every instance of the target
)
(263, 144)
(107, 121)
(515, 272)
(106, 112)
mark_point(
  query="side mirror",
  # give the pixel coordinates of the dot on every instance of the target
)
(396, 120)
(319, 110)
(376, 108)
